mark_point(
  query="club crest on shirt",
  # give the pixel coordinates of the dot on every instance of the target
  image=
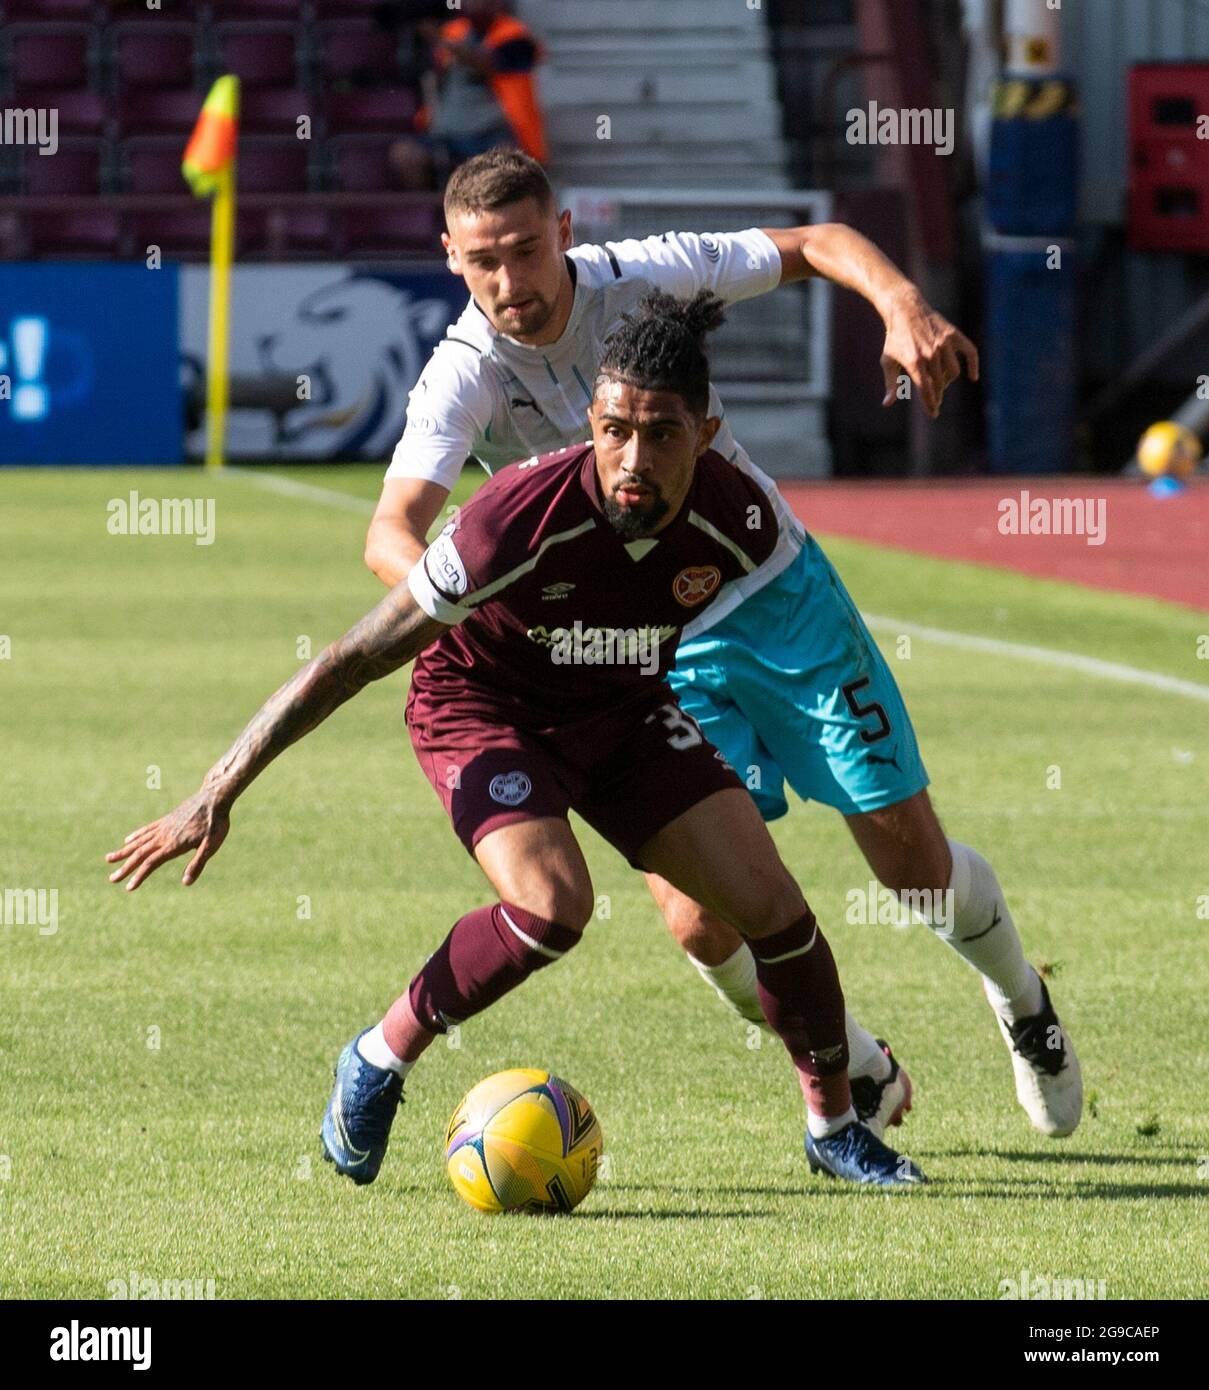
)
(510, 788)
(695, 584)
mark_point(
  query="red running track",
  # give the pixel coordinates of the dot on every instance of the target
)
(1155, 546)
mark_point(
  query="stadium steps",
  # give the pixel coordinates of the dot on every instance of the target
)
(690, 88)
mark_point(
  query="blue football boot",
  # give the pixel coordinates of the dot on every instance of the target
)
(356, 1124)
(859, 1156)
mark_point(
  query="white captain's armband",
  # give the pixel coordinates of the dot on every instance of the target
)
(438, 578)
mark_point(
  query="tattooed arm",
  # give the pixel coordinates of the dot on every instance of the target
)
(385, 639)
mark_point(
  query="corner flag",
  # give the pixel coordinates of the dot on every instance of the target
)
(209, 166)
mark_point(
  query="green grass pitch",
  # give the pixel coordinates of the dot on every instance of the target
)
(166, 1056)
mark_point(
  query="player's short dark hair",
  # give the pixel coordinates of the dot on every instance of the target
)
(495, 180)
(662, 347)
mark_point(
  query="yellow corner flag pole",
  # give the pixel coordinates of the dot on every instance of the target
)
(209, 166)
(222, 247)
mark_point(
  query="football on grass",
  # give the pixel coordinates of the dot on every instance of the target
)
(523, 1140)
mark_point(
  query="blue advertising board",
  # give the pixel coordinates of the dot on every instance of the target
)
(89, 364)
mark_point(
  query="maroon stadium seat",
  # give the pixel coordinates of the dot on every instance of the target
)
(73, 170)
(17, 10)
(295, 231)
(274, 110)
(154, 54)
(158, 111)
(152, 164)
(361, 163)
(255, 9)
(97, 232)
(358, 53)
(81, 112)
(49, 55)
(385, 110)
(387, 231)
(343, 9)
(260, 55)
(272, 164)
(177, 233)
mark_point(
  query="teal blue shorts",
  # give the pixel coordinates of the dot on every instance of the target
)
(791, 688)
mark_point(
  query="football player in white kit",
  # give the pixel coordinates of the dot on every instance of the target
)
(780, 673)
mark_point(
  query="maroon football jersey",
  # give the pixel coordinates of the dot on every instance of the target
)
(556, 616)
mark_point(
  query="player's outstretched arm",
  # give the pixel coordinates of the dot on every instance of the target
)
(919, 341)
(392, 634)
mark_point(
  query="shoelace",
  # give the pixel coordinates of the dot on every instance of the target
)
(1030, 1037)
(375, 1119)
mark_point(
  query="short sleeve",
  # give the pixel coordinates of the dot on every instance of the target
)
(448, 413)
(732, 265)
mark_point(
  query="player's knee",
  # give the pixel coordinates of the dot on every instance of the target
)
(924, 867)
(706, 937)
(566, 901)
(771, 903)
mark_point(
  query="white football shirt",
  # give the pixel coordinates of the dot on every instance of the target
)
(483, 394)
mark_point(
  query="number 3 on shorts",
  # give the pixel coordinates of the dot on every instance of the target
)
(686, 732)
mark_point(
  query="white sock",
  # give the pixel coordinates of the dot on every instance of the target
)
(823, 1126)
(735, 982)
(983, 934)
(374, 1050)
(865, 1057)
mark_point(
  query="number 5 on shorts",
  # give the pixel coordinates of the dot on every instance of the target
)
(882, 731)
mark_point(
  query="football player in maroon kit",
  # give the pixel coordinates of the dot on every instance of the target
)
(518, 716)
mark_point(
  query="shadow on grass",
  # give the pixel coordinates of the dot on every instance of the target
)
(1189, 1158)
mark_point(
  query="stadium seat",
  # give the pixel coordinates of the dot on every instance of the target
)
(74, 170)
(284, 232)
(49, 55)
(386, 231)
(151, 164)
(360, 54)
(344, 9)
(97, 232)
(255, 9)
(272, 164)
(360, 163)
(81, 112)
(260, 55)
(183, 233)
(383, 110)
(15, 11)
(158, 111)
(153, 54)
(274, 110)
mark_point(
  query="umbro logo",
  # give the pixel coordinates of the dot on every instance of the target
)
(559, 590)
(529, 405)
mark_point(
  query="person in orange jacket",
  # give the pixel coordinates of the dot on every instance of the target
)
(487, 94)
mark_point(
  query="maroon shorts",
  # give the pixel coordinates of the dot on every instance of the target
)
(628, 773)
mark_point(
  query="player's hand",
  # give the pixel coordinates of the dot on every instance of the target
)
(926, 346)
(200, 823)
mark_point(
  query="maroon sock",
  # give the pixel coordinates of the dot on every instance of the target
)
(799, 989)
(488, 952)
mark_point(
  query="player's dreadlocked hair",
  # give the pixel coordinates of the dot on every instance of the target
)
(662, 347)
